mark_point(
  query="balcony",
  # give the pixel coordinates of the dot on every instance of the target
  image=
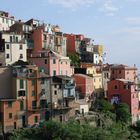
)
(21, 93)
(69, 85)
(59, 33)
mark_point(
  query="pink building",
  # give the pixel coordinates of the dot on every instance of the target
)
(124, 91)
(84, 85)
(52, 63)
(124, 72)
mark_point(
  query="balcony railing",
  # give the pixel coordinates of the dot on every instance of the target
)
(21, 93)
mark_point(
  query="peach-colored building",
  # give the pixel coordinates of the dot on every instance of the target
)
(52, 63)
(84, 84)
(124, 72)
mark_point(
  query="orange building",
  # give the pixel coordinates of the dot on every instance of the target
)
(73, 42)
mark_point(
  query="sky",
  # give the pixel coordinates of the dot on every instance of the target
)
(115, 24)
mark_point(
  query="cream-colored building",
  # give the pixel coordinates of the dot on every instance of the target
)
(97, 77)
(6, 21)
(12, 48)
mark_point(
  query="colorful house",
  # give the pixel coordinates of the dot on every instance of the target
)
(84, 85)
(124, 91)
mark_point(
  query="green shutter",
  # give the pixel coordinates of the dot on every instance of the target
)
(21, 83)
(33, 82)
(33, 93)
(21, 105)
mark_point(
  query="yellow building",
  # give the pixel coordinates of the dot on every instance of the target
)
(97, 77)
(98, 49)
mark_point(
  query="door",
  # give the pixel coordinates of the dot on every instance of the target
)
(23, 121)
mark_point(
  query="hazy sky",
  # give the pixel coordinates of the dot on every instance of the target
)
(112, 23)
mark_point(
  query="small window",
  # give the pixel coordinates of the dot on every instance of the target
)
(55, 92)
(11, 39)
(54, 61)
(46, 61)
(16, 39)
(54, 72)
(60, 86)
(66, 63)
(3, 20)
(10, 115)
(35, 119)
(55, 86)
(20, 47)
(34, 104)
(7, 21)
(21, 56)
(7, 46)
(42, 81)
(33, 93)
(45, 37)
(61, 62)
(120, 71)
(7, 56)
(115, 87)
(33, 82)
(113, 71)
(10, 104)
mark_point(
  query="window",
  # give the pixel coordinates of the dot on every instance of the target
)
(3, 20)
(61, 62)
(7, 46)
(120, 71)
(61, 72)
(60, 86)
(33, 82)
(126, 87)
(21, 83)
(54, 61)
(42, 54)
(94, 80)
(113, 71)
(21, 56)
(35, 119)
(115, 87)
(10, 104)
(55, 92)
(16, 39)
(33, 93)
(45, 37)
(10, 115)
(7, 55)
(21, 105)
(6, 20)
(42, 81)
(54, 72)
(46, 61)
(55, 86)
(20, 47)
(66, 63)
(33, 104)
(127, 72)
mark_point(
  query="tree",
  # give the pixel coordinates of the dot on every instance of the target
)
(123, 113)
(102, 105)
(75, 61)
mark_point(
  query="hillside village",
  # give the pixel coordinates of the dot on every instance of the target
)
(46, 74)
